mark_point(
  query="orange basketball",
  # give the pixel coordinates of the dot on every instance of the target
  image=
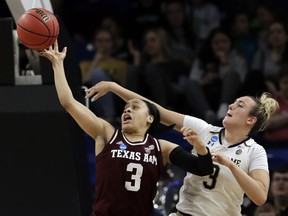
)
(37, 28)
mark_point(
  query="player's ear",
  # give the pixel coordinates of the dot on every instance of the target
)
(150, 118)
(251, 120)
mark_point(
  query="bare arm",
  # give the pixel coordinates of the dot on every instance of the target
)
(168, 117)
(255, 184)
(90, 123)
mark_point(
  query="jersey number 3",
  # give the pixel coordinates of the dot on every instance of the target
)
(211, 185)
(137, 171)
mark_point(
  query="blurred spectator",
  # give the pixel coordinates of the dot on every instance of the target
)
(104, 67)
(179, 28)
(277, 129)
(206, 17)
(265, 210)
(228, 7)
(267, 63)
(244, 40)
(279, 189)
(120, 48)
(155, 73)
(248, 207)
(215, 77)
(143, 14)
(265, 16)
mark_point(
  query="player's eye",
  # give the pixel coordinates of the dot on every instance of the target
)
(239, 105)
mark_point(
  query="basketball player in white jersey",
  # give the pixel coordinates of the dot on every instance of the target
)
(240, 164)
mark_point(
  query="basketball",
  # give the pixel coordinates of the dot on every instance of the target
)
(37, 28)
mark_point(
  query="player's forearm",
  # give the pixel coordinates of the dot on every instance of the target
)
(167, 117)
(254, 189)
(201, 165)
(124, 93)
(63, 90)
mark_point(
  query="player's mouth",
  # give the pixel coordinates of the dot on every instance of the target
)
(126, 118)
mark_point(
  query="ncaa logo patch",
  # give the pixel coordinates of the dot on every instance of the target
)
(123, 146)
(214, 138)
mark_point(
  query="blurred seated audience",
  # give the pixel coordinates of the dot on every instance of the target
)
(265, 15)
(267, 63)
(120, 47)
(142, 15)
(279, 189)
(104, 67)
(155, 73)
(244, 40)
(265, 210)
(177, 23)
(206, 16)
(277, 130)
(215, 77)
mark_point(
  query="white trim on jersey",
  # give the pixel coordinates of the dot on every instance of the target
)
(157, 144)
(114, 137)
(135, 143)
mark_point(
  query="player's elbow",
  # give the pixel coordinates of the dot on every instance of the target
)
(66, 103)
(260, 201)
(206, 171)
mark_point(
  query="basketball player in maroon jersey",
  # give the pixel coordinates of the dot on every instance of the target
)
(129, 162)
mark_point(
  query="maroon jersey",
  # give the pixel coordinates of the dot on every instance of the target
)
(126, 176)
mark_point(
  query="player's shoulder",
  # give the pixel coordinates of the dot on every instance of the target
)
(215, 129)
(252, 143)
(254, 148)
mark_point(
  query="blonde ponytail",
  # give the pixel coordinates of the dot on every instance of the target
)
(265, 107)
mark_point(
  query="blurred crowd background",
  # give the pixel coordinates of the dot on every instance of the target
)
(192, 56)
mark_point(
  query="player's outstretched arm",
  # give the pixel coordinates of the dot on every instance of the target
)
(255, 184)
(82, 115)
(168, 117)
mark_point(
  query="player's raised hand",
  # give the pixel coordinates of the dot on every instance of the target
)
(97, 90)
(192, 137)
(53, 53)
(221, 159)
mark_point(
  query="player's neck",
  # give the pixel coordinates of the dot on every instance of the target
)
(134, 137)
(233, 138)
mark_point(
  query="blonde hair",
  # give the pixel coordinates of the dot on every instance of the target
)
(265, 107)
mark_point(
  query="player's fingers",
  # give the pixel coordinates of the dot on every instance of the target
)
(64, 51)
(89, 92)
(56, 45)
(96, 96)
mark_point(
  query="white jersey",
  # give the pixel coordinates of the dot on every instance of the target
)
(219, 193)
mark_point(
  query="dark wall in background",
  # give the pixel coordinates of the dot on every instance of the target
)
(42, 156)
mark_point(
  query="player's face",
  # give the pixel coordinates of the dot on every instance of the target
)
(238, 113)
(279, 184)
(135, 117)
